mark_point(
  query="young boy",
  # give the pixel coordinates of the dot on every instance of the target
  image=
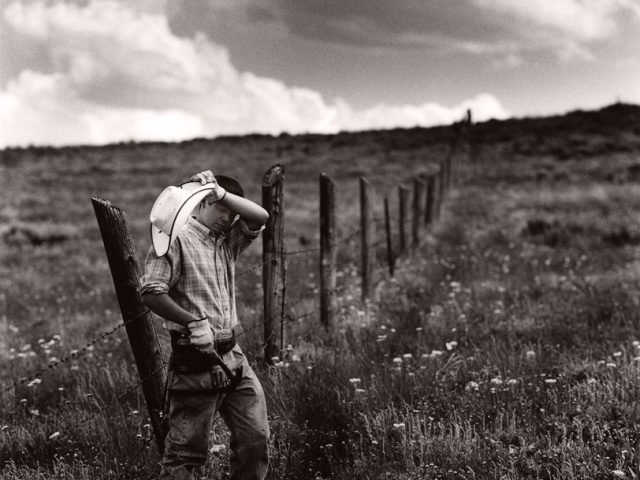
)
(192, 287)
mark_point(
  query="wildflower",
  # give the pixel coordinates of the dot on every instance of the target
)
(591, 381)
(451, 345)
(381, 338)
(472, 386)
(146, 425)
(54, 435)
(275, 359)
(611, 365)
(512, 381)
(399, 426)
(217, 449)
(354, 381)
(436, 353)
(134, 412)
(618, 473)
(496, 381)
(550, 381)
(34, 411)
(295, 357)
(397, 360)
(359, 391)
(34, 382)
(530, 354)
(289, 347)
(617, 354)
(407, 356)
(636, 343)
(418, 329)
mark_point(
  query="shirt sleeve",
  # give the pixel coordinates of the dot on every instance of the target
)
(240, 237)
(160, 273)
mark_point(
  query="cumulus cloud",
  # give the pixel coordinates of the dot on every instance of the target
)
(109, 73)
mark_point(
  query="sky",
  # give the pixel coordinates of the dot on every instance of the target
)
(103, 71)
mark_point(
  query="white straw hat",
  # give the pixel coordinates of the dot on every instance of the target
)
(172, 210)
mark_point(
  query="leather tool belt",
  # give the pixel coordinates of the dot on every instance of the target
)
(188, 358)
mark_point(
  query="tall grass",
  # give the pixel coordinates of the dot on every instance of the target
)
(506, 347)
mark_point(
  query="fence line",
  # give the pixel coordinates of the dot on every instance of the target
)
(429, 193)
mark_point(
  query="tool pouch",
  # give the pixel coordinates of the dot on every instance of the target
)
(190, 367)
(191, 359)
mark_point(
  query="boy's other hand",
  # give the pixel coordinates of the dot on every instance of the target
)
(219, 377)
(201, 333)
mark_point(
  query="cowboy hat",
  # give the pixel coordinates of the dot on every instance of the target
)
(171, 211)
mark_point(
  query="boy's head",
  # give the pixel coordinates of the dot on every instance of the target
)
(231, 185)
(213, 214)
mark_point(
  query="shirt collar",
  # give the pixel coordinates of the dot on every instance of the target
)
(205, 231)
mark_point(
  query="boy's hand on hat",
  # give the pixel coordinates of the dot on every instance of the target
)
(201, 333)
(203, 177)
(206, 177)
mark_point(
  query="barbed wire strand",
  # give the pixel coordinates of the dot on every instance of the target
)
(74, 354)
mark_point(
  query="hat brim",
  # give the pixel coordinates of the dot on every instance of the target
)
(162, 241)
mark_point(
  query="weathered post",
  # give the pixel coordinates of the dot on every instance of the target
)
(441, 186)
(272, 249)
(387, 228)
(125, 271)
(366, 236)
(430, 199)
(328, 251)
(403, 197)
(416, 218)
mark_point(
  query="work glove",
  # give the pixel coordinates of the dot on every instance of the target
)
(201, 334)
(205, 177)
(219, 378)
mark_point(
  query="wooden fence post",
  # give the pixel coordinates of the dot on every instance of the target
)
(366, 235)
(328, 251)
(403, 196)
(272, 254)
(430, 199)
(125, 271)
(441, 186)
(387, 228)
(416, 218)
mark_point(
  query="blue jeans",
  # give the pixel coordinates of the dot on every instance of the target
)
(243, 410)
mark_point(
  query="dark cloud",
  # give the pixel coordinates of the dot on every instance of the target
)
(361, 23)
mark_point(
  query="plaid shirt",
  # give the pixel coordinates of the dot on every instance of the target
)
(198, 272)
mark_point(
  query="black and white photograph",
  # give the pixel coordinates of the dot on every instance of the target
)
(319, 239)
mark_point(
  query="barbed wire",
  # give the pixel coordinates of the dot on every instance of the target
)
(73, 354)
(118, 398)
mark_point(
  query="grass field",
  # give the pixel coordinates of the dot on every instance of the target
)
(506, 347)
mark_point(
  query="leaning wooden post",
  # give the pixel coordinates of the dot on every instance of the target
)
(430, 199)
(125, 271)
(416, 218)
(328, 251)
(272, 248)
(366, 236)
(387, 228)
(403, 196)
